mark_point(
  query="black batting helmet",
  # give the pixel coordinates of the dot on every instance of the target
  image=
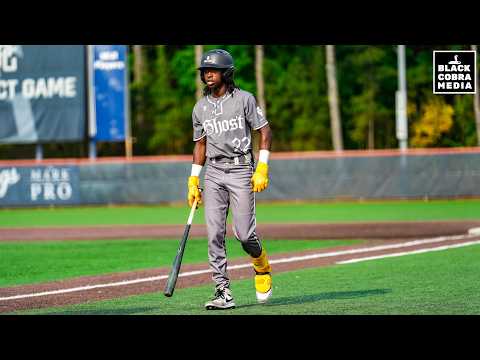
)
(217, 59)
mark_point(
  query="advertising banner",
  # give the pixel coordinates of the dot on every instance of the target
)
(110, 84)
(39, 185)
(42, 93)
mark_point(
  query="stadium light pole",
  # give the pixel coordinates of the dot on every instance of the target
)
(38, 152)
(401, 99)
(92, 127)
(128, 121)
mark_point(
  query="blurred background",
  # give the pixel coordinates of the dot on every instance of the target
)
(353, 109)
(349, 122)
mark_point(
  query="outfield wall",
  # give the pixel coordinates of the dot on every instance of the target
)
(382, 174)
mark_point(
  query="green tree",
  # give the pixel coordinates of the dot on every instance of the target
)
(463, 131)
(367, 89)
(169, 114)
(296, 98)
(419, 82)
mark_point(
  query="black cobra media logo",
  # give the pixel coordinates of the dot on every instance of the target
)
(454, 72)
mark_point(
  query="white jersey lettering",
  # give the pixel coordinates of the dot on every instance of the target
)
(214, 126)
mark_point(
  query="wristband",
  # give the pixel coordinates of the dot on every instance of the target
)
(196, 169)
(263, 157)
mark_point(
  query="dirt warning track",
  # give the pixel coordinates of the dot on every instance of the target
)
(369, 230)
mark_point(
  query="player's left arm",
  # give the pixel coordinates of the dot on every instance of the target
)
(260, 177)
(265, 138)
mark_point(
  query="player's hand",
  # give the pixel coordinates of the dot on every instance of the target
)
(260, 177)
(194, 191)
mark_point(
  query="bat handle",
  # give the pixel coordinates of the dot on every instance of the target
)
(194, 207)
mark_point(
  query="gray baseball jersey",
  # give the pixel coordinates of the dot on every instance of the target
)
(227, 123)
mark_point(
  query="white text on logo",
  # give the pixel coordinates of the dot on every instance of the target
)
(7, 177)
(8, 60)
(50, 184)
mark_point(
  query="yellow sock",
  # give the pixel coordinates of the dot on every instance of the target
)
(261, 264)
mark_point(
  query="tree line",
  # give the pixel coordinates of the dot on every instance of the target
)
(321, 97)
(316, 97)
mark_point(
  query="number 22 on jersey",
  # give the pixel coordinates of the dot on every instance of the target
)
(237, 143)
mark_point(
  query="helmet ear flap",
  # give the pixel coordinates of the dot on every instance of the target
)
(202, 76)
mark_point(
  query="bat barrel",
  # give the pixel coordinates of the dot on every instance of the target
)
(172, 278)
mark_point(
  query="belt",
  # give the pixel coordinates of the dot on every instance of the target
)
(237, 160)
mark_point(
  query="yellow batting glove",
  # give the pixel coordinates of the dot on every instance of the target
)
(194, 191)
(260, 177)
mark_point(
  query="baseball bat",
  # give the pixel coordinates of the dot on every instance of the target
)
(172, 278)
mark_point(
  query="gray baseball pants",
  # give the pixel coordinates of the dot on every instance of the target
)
(228, 186)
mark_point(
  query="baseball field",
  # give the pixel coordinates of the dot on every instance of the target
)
(390, 257)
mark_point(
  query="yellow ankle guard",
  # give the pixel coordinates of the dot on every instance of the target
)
(261, 264)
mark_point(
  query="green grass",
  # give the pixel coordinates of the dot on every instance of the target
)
(436, 283)
(266, 213)
(27, 263)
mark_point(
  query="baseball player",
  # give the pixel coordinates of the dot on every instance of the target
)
(223, 121)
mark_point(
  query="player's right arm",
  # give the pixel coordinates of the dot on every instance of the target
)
(200, 152)
(199, 158)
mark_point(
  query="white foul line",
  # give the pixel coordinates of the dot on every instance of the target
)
(275, 261)
(370, 249)
(445, 247)
(83, 288)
